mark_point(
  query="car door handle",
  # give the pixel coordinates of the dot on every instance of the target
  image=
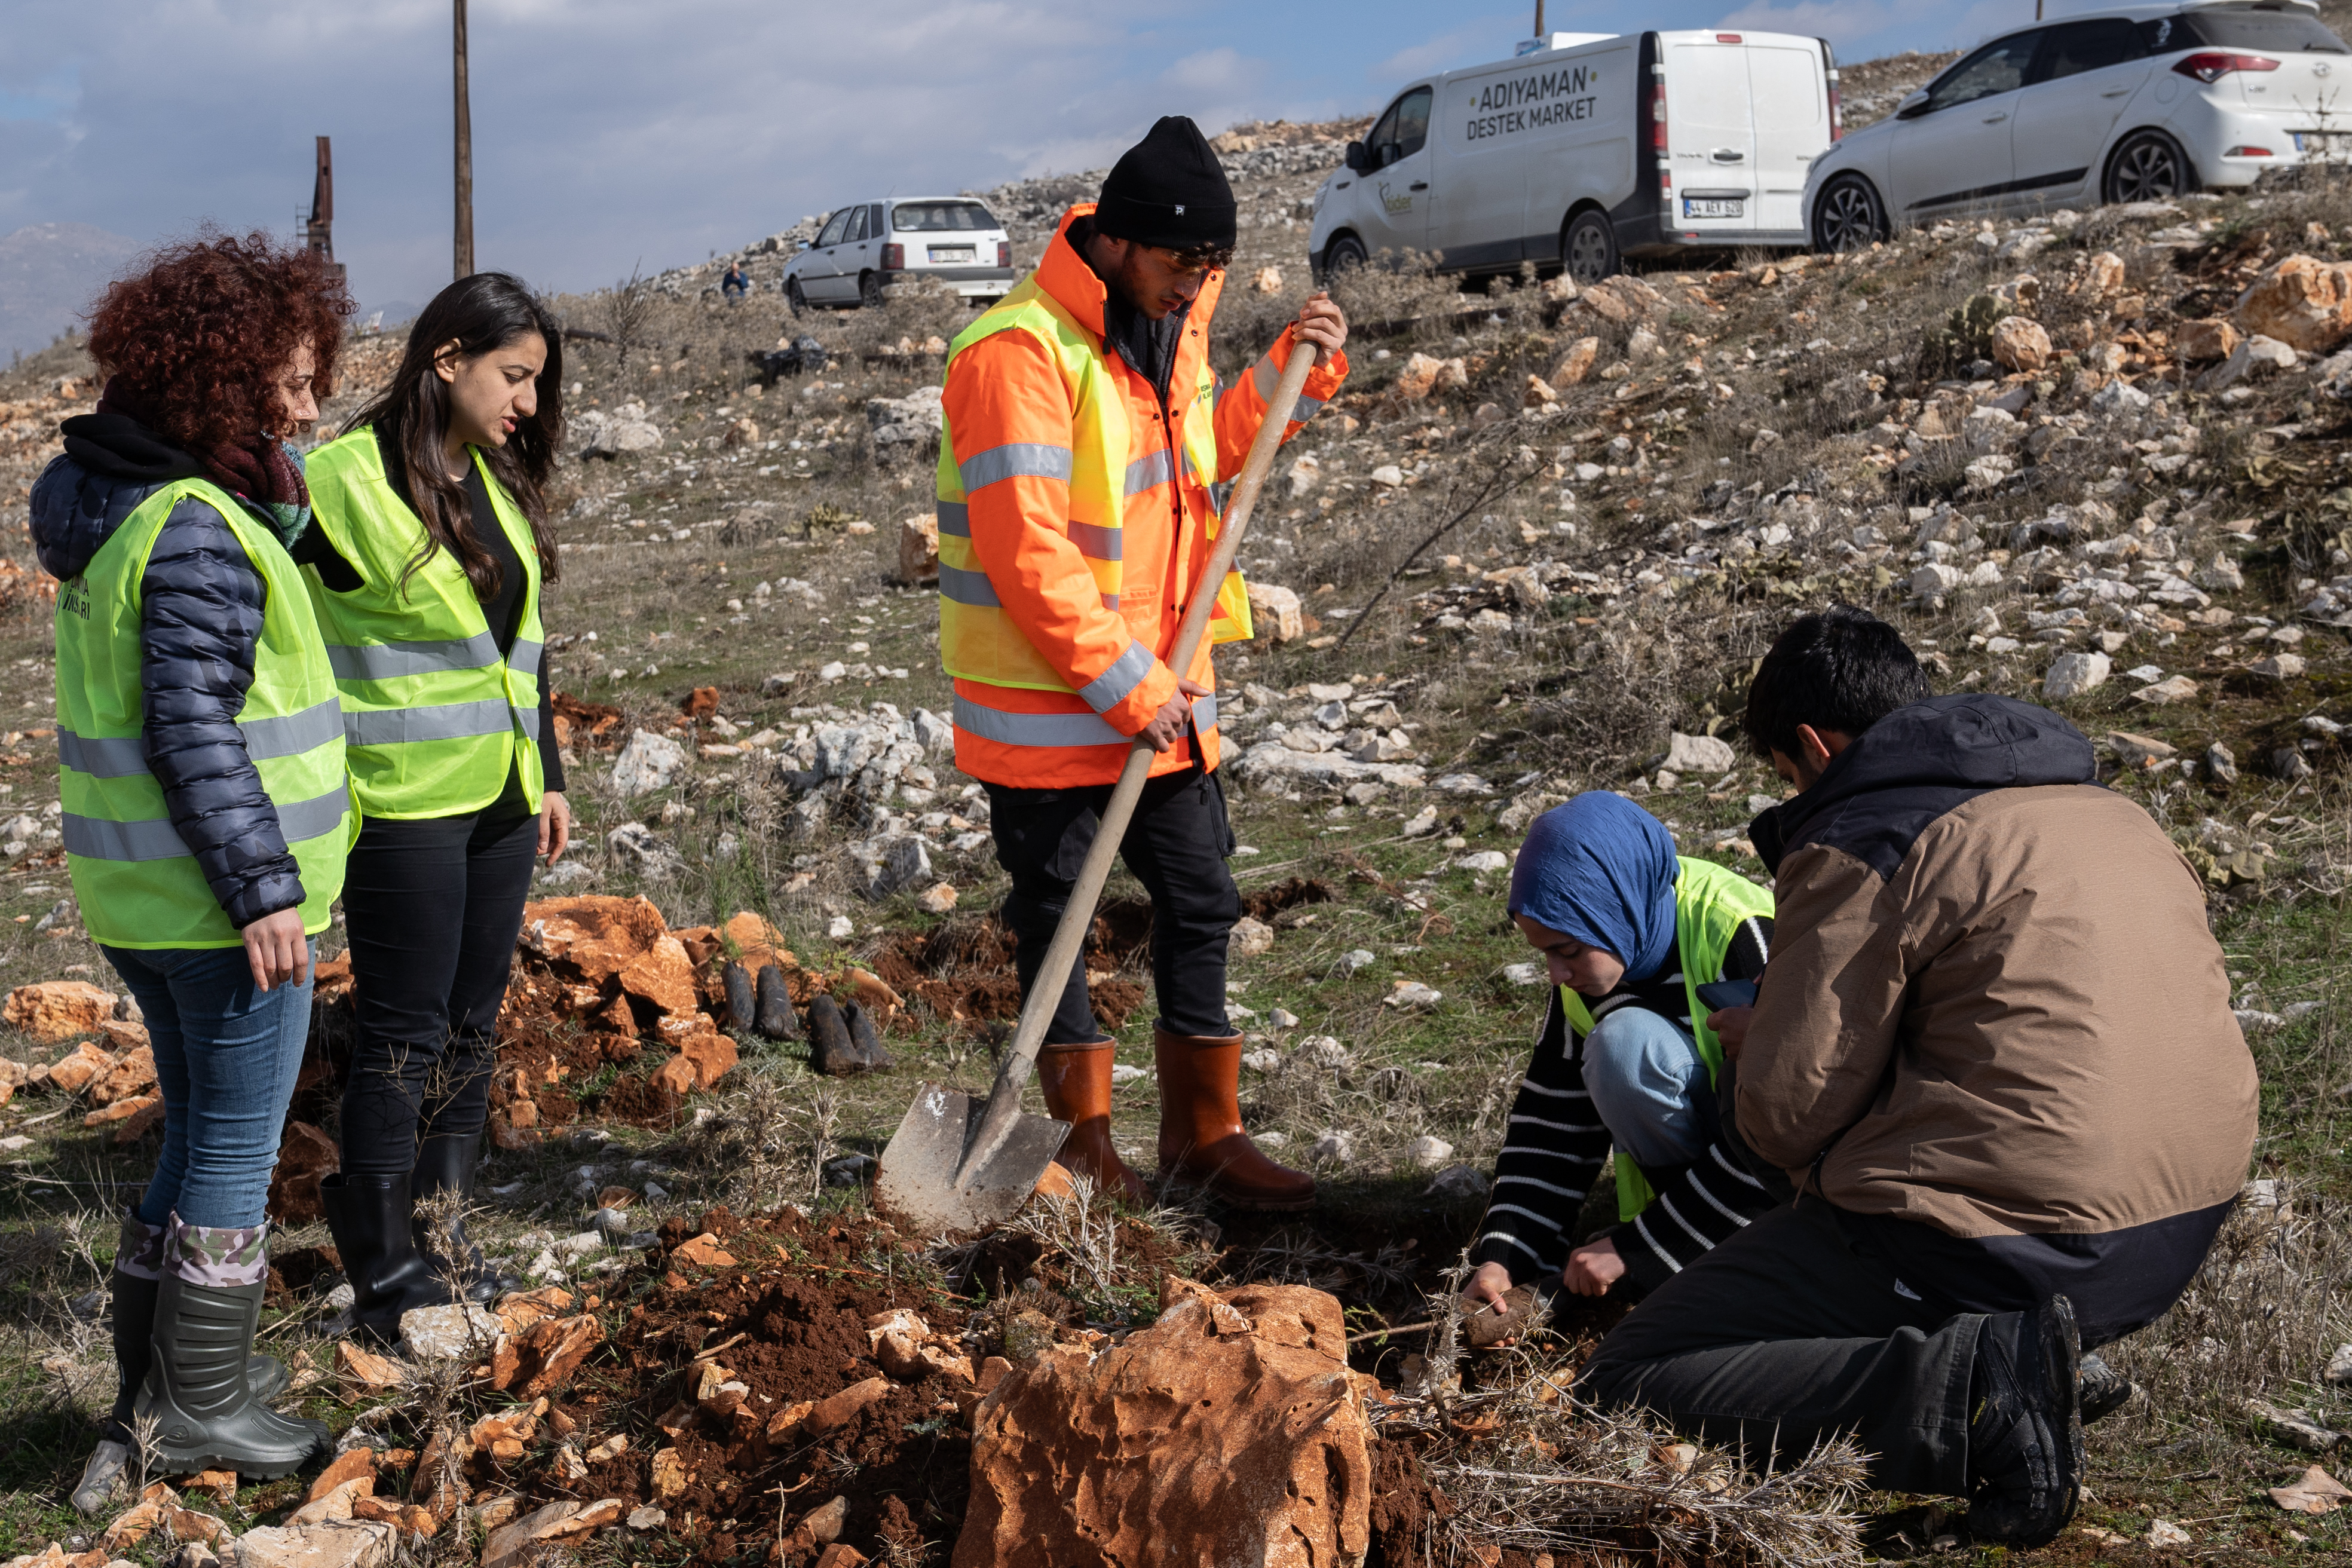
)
(1996, 118)
(1726, 155)
(2115, 92)
(1418, 185)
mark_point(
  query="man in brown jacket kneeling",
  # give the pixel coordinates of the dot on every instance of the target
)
(1993, 1050)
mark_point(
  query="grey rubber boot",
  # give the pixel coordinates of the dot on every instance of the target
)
(204, 1412)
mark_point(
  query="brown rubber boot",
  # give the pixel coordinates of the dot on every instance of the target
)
(1077, 1081)
(1200, 1138)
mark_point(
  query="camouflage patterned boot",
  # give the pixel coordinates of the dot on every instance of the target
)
(198, 1393)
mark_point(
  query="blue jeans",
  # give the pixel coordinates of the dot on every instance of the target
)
(226, 1055)
(1652, 1091)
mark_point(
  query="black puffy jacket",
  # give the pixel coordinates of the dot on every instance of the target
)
(201, 611)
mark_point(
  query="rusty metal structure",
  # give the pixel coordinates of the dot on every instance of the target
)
(317, 231)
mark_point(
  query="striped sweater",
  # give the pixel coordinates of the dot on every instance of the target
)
(1555, 1148)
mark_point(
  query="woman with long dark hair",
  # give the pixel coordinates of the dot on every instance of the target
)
(433, 545)
(201, 764)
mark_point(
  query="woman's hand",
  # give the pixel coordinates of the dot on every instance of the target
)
(1484, 1294)
(1593, 1268)
(554, 825)
(277, 949)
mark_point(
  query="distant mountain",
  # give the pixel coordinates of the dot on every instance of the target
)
(49, 273)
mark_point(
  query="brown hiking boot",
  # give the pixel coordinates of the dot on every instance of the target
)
(1077, 1081)
(1201, 1142)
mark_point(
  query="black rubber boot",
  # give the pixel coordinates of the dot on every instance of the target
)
(2105, 1390)
(773, 1015)
(369, 1218)
(205, 1415)
(2025, 1425)
(867, 1038)
(741, 1005)
(442, 1163)
(831, 1050)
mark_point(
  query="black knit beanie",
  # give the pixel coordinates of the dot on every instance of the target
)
(1168, 190)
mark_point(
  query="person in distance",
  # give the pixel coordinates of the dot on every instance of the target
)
(1628, 932)
(433, 543)
(1994, 1053)
(200, 754)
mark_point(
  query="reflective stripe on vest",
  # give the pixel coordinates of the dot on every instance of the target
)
(1056, 730)
(435, 720)
(977, 641)
(1709, 903)
(138, 884)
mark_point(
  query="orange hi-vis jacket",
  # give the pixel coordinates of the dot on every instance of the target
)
(1075, 522)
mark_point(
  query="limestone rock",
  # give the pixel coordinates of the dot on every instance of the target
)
(365, 1371)
(1275, 613)
(79, 1068)
(2209, 339)
(544, 1355)
(329, 1543)
(53, 1010)
(910, 423)
(1576, 363)
(433, 1333)
(2103, 275)
(2019, 343)
(648, 763)
(2302, 302)
(1699, 754)
(1622, 299)
(1250, 938)
(919, 549)
(1268, 280)
(1256, 1449)
(132, 1074)
(597, 936)
(567, 1523)
(2072, 674)
(664, 975)
(2257, 357)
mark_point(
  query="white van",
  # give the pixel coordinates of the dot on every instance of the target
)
(1587, 149)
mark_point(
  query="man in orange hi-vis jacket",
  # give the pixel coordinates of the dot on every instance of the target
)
(1080, 478)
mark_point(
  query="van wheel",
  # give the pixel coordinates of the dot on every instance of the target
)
(2150, 166)
(795, 299)
(1345, 254)
(1848, 217)
(1588, 250)
(869, 290)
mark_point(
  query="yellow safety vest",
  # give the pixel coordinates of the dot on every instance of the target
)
(137, 882)
(976, 641)
(435, 717)
(1710, 902)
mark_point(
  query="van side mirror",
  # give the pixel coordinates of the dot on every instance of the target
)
(1913, 106)
(1356, 158)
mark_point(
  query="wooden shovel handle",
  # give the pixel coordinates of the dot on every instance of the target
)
(1045, 992)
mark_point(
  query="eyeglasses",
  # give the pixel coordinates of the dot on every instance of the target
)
(1192, 264)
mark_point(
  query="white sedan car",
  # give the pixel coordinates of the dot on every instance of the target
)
(2135, 104)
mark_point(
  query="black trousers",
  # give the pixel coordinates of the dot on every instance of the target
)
(1811, 1321)
(433, 907)
(1176, 845)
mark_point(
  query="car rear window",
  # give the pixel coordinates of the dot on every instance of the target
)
(930, 215)
(2274, 32)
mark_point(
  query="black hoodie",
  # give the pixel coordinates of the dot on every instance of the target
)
(201, 614)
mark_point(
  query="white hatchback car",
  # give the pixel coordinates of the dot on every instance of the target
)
(863, 248)
(2138, 103)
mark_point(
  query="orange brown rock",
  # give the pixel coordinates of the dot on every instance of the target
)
(1210, 1437)
(52, 1010)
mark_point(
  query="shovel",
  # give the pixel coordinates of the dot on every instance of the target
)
(950, 1167)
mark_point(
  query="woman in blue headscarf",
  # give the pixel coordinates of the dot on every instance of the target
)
(1629, 931)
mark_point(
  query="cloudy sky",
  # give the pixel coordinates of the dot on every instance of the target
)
(608, 133)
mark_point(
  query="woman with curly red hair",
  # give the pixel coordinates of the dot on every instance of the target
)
(200, 744)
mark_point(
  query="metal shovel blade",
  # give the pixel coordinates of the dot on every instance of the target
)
(916, 1184)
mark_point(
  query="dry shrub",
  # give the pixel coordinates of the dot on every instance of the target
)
(2258, 1323)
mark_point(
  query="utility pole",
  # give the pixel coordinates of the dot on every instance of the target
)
(1539, 5)
(465, 225)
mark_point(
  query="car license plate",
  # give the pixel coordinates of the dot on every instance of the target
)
(2322, 142)
(1713, 206)
(951, 253)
